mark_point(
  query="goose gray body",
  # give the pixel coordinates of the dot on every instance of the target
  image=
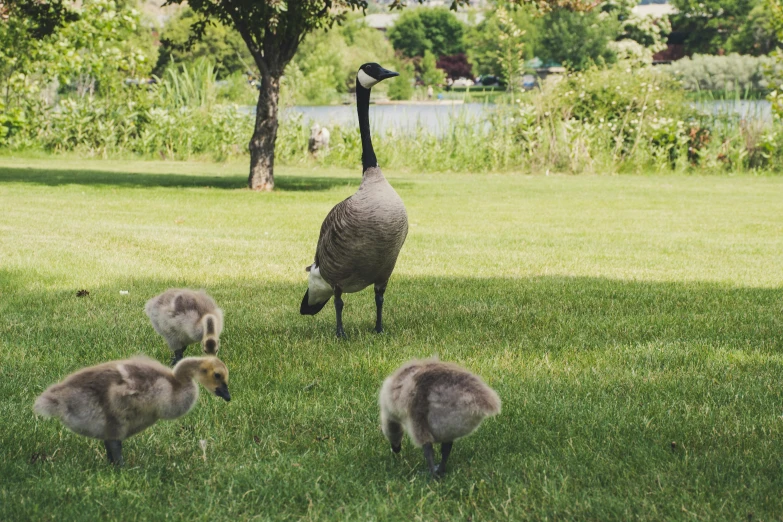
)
(361, 236)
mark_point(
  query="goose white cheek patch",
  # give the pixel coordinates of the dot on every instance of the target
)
(319, 290)
(366, 80)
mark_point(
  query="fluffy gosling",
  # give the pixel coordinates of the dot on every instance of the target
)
(184, 317)
(434, 402)
(117, 399)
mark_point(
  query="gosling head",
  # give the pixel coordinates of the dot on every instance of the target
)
(213, 375)
(371, 73)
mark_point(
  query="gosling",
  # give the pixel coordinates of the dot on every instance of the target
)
(434, 402)
(117, 399)
(184, 317)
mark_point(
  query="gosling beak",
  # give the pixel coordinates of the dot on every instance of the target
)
(222, 392)
(396, 449)
(386, 73)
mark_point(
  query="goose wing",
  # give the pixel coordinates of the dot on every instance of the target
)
(331, 231)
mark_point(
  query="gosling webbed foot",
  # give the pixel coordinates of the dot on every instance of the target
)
(114, 452)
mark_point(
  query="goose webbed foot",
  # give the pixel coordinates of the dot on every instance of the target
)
(341, 333)
(177, 357)
(114, 452)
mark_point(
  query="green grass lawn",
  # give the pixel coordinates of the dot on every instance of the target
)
(633, 327)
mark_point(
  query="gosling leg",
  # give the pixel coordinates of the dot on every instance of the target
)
(379, 291)
(428, 456)
(114, 451)
(338, 308)
(445, 451)
(177, 357)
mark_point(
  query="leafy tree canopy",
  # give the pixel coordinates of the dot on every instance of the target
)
(710, 23)
(757, 35)
(486, 40)
(577, 39)
(221, 44)
(325, 65)
(421, 30)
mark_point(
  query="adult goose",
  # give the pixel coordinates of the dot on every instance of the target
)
(361, 237)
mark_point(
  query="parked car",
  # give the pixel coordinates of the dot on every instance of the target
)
(489, 80)
(462, 82)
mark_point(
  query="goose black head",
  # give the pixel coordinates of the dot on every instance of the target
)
(371, 73)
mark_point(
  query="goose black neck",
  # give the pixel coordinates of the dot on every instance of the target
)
(363, 107)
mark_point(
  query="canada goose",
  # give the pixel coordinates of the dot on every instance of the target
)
(361, 237)
(185, 317)
(434, 401)
(117, 399)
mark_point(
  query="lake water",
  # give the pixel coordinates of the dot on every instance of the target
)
(434, 118)
(437, 118)
(744, 109)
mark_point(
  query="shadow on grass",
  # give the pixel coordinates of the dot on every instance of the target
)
(57, 177)
(540, 314)
(653, 424)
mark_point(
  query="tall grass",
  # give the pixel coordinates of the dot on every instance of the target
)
(183, 86)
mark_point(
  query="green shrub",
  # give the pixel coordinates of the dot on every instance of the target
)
(402, 88)
(237, 89)
(731, 73)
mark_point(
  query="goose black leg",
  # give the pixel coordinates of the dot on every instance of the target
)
(445, 451)
(114, 451)
(177, 357)
(338, 308)
(379, 290)
(428, 456)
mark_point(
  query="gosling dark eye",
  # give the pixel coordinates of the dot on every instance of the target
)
(218, 376)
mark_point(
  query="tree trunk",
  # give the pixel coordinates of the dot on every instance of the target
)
(262, 144)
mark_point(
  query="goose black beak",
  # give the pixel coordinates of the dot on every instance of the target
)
(386, 73)
(396, 449)
(222, 392)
